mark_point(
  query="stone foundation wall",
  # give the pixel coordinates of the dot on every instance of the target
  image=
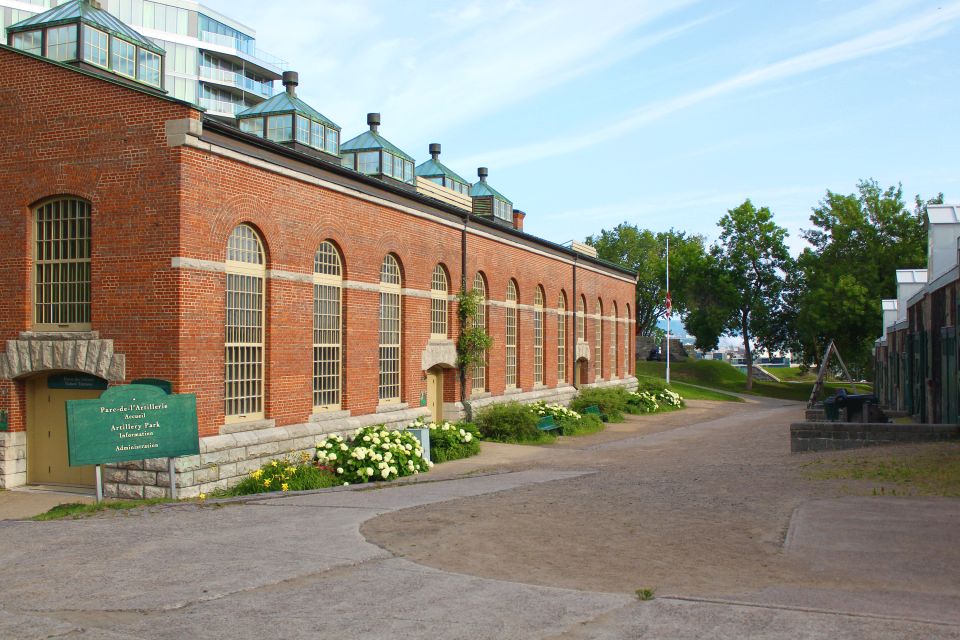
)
(829, 436)
(13, 459)
(226, 459)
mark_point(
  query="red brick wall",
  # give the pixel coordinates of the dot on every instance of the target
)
(66, 133)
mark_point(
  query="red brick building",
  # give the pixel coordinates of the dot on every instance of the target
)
(292, 295)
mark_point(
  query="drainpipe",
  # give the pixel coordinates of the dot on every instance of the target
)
(576, 335)
(463, 287)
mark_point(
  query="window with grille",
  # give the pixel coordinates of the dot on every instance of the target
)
(511, 335)
(615, 342)
(582, 319)
(243, 348)
(479, 374)
(561, 339)
(327, 328)
(61, 276)
(538, 336)
(390, 323)
(598, 342)
(438, 303)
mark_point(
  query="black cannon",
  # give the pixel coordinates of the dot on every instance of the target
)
(855, 406)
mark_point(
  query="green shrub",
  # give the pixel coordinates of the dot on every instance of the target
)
(285, 475)
(510, 422)
(613, 401)
(373, 453)
(450, 440)
(649, 383)
(587, 423)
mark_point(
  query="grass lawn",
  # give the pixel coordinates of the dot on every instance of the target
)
(75, 510)
(920, 470)
(689, 392)
(725, 377)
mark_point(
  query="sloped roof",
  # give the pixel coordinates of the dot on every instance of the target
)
(83, 11)
(481, 189)
(432, 168)
(371, 140)
(285, 103)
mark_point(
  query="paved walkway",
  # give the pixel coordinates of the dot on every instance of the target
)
(299, 566)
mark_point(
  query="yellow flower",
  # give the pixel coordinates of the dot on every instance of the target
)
(284, 487)
(256, 474)
(275, 463)
(266, 483)
(202, 497)
(291, 469)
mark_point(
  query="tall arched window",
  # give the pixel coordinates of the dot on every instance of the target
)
(615, 342)
(561, 338)
(479, 374)
(243, 349)
(438, 303)
(628, 331)
(511, 335)
(538, 336)
(582, 319)
(390, 325)
(61, 276)
(598, 342)
(327, 327)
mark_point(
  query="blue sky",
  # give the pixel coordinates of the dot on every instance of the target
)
(662, 114)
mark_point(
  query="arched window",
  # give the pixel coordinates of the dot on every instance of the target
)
(582, 319)
(479, 374)
(598, 342)
(243, 349)
(628, 331)
(61, 276)
(538, 336)
(438, 303)
(561, 338)
(510, 337)
(614, 351)
(390, 325)
(327, 327)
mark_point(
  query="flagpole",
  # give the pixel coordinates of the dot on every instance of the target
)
(669, 306)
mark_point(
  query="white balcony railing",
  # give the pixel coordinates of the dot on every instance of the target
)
(221, 106)
(246, 46)
(238, 80)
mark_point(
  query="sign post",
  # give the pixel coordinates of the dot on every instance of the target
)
(132, 422)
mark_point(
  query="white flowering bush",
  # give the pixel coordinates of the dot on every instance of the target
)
(450, 440)
(571, 422)
(651, 401)
(557, 411)
(372, 454)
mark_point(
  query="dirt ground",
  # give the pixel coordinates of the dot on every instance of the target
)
(694, 503)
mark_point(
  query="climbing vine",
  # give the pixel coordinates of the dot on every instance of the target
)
(474, 341)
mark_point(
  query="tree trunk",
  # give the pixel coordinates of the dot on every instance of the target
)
(748, 354)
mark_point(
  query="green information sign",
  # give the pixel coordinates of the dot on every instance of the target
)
(131, 422)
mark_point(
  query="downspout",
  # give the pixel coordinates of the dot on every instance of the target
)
(576, 335)
(463, 288)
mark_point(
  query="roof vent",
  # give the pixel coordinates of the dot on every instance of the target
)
(290, 80)
(483, 172)
(434, 150)
(373, 119)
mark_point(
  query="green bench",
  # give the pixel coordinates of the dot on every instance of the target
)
(546, 423)
(595, 410)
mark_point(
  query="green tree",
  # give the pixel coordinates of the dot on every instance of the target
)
(752, 261)
(857, 242)
(645, 252)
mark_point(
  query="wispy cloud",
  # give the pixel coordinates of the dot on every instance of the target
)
(926, 26)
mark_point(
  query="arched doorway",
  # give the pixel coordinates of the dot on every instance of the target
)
(435, 393)
(580, 373)
(47, 460)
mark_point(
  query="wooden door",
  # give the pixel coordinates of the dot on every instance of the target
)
(47, 460)
(435, 394)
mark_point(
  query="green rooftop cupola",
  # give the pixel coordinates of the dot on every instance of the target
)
(287, 119)
(489, 202)
(374, 155)
(436, 171)
(83, 33)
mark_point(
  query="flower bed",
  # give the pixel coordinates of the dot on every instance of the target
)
(372, 454)
(653, 401)
(285, 475)
(450, 440)
(571, 423)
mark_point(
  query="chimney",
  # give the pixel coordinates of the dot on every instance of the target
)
(483, 172)
(909, 283)
(434, 150)
(290, 80)
(943, 236)
(890, 313)
(373, 119)
(518, 217)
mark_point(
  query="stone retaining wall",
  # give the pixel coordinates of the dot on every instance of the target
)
(226, 459)
(13, 459)
(829, 436)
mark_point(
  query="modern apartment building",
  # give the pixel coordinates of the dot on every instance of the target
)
(211, 60)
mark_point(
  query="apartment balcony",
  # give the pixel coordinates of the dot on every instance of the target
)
(221, 107)
(236, 80)
(244, 51)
